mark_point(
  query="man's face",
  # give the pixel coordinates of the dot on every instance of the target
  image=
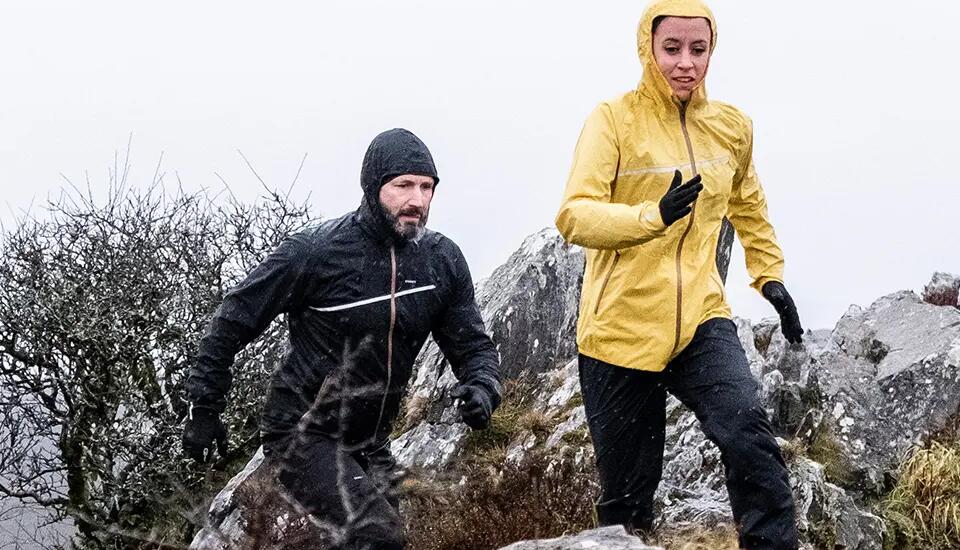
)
(405, 201)
(681, 46)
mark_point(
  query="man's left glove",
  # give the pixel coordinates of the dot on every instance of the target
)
(776, 294)
(203, 429)
(476, 406)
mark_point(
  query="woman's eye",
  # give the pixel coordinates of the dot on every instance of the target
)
(671, 49)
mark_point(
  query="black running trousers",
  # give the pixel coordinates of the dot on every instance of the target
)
(626, 414)
(354, 492)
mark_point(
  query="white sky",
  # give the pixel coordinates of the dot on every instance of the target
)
(853, 105)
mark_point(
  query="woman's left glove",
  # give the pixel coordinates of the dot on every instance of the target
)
(776, 294)
(476, 406)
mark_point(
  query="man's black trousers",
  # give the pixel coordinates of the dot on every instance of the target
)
(626, 411)
(353, 492)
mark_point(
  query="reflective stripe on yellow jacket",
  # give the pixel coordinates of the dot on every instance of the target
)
(647, 287)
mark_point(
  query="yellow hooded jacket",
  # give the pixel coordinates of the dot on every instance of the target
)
(647, 287)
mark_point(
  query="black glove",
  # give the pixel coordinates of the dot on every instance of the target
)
(475, 406)
(202, 430)
(675, 204)
(777, 295)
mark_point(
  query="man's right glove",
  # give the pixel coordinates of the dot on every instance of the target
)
(675, 204)
(777, 294)
(476, 407)
(203, 428)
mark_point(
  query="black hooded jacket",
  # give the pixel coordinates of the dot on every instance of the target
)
(352, 290)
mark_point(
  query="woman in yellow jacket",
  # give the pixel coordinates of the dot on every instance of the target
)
(656, 174)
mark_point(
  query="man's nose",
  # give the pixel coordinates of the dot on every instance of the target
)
(416, 197)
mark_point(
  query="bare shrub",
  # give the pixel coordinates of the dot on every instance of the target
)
(102, 304)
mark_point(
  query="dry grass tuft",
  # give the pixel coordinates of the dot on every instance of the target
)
(923, 510)
(542, 497)
(721, 537)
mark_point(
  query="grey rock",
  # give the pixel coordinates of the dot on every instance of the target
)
(693, 489)
(942, 290)
(827, 516)
(576, 420)
(890, 378)
(604, 538)
(530, 304)
(429, 446)
(748, 342)
(896, 332)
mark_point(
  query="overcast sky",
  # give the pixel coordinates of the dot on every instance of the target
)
(853, 105)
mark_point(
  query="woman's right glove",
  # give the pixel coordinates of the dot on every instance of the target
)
(677, 201)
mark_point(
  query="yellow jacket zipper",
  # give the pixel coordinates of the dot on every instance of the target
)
(693, 211)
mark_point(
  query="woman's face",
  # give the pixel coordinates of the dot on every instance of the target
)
(681, 47)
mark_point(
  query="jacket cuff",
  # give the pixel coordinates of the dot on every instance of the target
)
(650, 220)
(758, 284)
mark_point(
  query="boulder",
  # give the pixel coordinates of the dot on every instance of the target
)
(604, 538)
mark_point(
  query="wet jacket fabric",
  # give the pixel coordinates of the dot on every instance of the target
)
(647, 287)
(360, 302)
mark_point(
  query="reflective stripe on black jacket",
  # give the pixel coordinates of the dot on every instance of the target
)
(334, 283)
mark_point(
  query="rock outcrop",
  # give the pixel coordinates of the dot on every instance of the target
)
(847, 403)
(604, 538)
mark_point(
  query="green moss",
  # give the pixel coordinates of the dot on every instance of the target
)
(573, 403)
(576, 438)
(825, 449)
(504, 426)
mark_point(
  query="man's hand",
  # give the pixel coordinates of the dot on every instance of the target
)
(776, 294)
(203, 428)
(675, 204)
(475, 406)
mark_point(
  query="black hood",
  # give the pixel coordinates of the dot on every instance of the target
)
(391, 154)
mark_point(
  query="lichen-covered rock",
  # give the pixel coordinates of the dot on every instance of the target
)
(225, 527)
(942, 290)
(429, 446)
(529, 306)
(604, 538)
(827, 516)
(252, 511)
(890, 379)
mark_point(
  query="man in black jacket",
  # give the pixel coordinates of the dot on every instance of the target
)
(361, 294)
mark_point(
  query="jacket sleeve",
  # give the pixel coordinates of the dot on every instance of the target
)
(272, 288)
(748, 214)
(587, 216)
(462, 339)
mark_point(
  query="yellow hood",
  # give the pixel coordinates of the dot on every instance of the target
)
(653, 82)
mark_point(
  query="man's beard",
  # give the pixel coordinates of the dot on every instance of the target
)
(409, 231)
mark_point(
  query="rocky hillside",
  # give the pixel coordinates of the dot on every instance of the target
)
(848, 405)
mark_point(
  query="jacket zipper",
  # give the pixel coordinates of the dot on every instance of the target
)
(603, 287)
(693, 211)
(393, 323)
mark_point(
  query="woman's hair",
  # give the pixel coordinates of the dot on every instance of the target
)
(656, 23)
(659, 19)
